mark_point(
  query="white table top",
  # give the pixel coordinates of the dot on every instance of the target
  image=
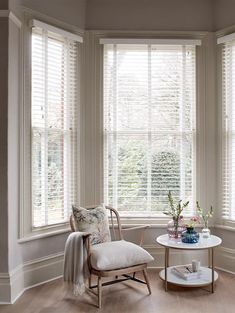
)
(203, 243)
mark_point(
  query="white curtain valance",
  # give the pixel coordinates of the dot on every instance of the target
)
(149, 41)
(53, 29)
(226, 38)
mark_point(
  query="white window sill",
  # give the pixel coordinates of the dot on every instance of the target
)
(46, 233)
(125, 222)
(153, 222)
(225, 227)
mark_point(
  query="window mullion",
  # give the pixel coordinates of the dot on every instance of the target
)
(193, 130)
(115, 122)
(149, 142)
(182, 124)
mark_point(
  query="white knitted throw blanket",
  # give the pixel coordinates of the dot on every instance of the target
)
(75, 262)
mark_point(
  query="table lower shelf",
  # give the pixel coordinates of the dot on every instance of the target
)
(204, 280)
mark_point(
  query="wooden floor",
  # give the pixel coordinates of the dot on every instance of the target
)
(129, 297)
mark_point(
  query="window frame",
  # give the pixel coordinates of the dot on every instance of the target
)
(26, 231)
(91, 142)
(146, 45)
(94, 104)
(222, 133)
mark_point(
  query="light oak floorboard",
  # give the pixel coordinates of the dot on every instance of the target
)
(128, 297)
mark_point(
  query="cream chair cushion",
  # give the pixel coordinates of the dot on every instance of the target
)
(118, 254)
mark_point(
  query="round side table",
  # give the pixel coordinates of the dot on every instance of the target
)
(208, 274)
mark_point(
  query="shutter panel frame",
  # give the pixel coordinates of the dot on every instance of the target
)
(54, 126)
(114, 55)
(228, 129)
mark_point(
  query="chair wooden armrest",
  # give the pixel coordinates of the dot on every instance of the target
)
(140, 227)
(135, 227)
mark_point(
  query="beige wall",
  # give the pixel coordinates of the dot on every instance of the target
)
(224, 13)
(3, 4)
(149, 14)
(69, 11)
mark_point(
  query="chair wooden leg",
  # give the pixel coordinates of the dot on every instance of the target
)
(99, 292)
(89, 281)
(147, 280)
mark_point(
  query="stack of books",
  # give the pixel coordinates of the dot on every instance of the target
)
(186, 272)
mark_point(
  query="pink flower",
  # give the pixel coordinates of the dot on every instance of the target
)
(193, 221)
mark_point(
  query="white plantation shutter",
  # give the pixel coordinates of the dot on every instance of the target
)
(149, 126)
(54, 123)
(228, 93)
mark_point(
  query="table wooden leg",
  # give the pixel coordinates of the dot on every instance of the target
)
(213, 270)
(209, 258)
(166, 265)
(168, 257)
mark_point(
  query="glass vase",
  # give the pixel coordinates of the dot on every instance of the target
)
(190, 235)
(175, 227)
(206, 233)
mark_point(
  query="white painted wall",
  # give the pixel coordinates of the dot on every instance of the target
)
(14, 249)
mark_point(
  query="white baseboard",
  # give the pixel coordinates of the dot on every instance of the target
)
(40, 271)
(43, 269)
(224, 270)
(5, 288)
(225, 259)
(17, 283)
(30, 274)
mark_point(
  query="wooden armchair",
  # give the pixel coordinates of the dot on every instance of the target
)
(124, 272)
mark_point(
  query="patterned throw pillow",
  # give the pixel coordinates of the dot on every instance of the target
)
(94, 221)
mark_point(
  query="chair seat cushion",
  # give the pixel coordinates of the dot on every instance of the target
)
(118, 254)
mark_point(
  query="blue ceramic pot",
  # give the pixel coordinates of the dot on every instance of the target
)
(190, 235)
